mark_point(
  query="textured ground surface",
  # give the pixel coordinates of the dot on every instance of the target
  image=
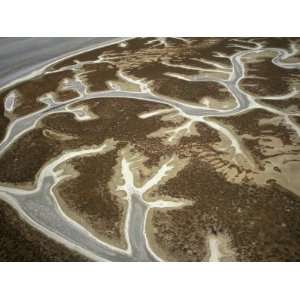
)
(21, 242)
(180, 149)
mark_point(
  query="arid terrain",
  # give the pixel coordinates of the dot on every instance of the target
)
(154, 149)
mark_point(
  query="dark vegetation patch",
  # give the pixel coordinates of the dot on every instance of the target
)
(262, 222)
(88, 196)
(263, 78)
(21, 242)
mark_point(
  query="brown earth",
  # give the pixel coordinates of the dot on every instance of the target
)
(262, 222)
(96, 76)
(21, 242)
(31, 89)
(118, 119)
(88, 199)
(263, 78)
(291, 105)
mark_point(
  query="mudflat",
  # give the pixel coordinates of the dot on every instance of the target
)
(175, 149)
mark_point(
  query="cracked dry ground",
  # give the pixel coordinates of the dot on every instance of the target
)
(236, 175)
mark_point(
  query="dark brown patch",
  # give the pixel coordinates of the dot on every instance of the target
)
(263, 222)
(21, 242)
(248, 123)
(31, 89)
(118, 119)
(263, 78)
(190, 91)
(96, 75)
(89, 197)
(286, 105)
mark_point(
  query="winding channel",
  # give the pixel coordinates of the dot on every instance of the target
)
(39, 206)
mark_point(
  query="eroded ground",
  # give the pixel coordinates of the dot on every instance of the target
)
(180, 149)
